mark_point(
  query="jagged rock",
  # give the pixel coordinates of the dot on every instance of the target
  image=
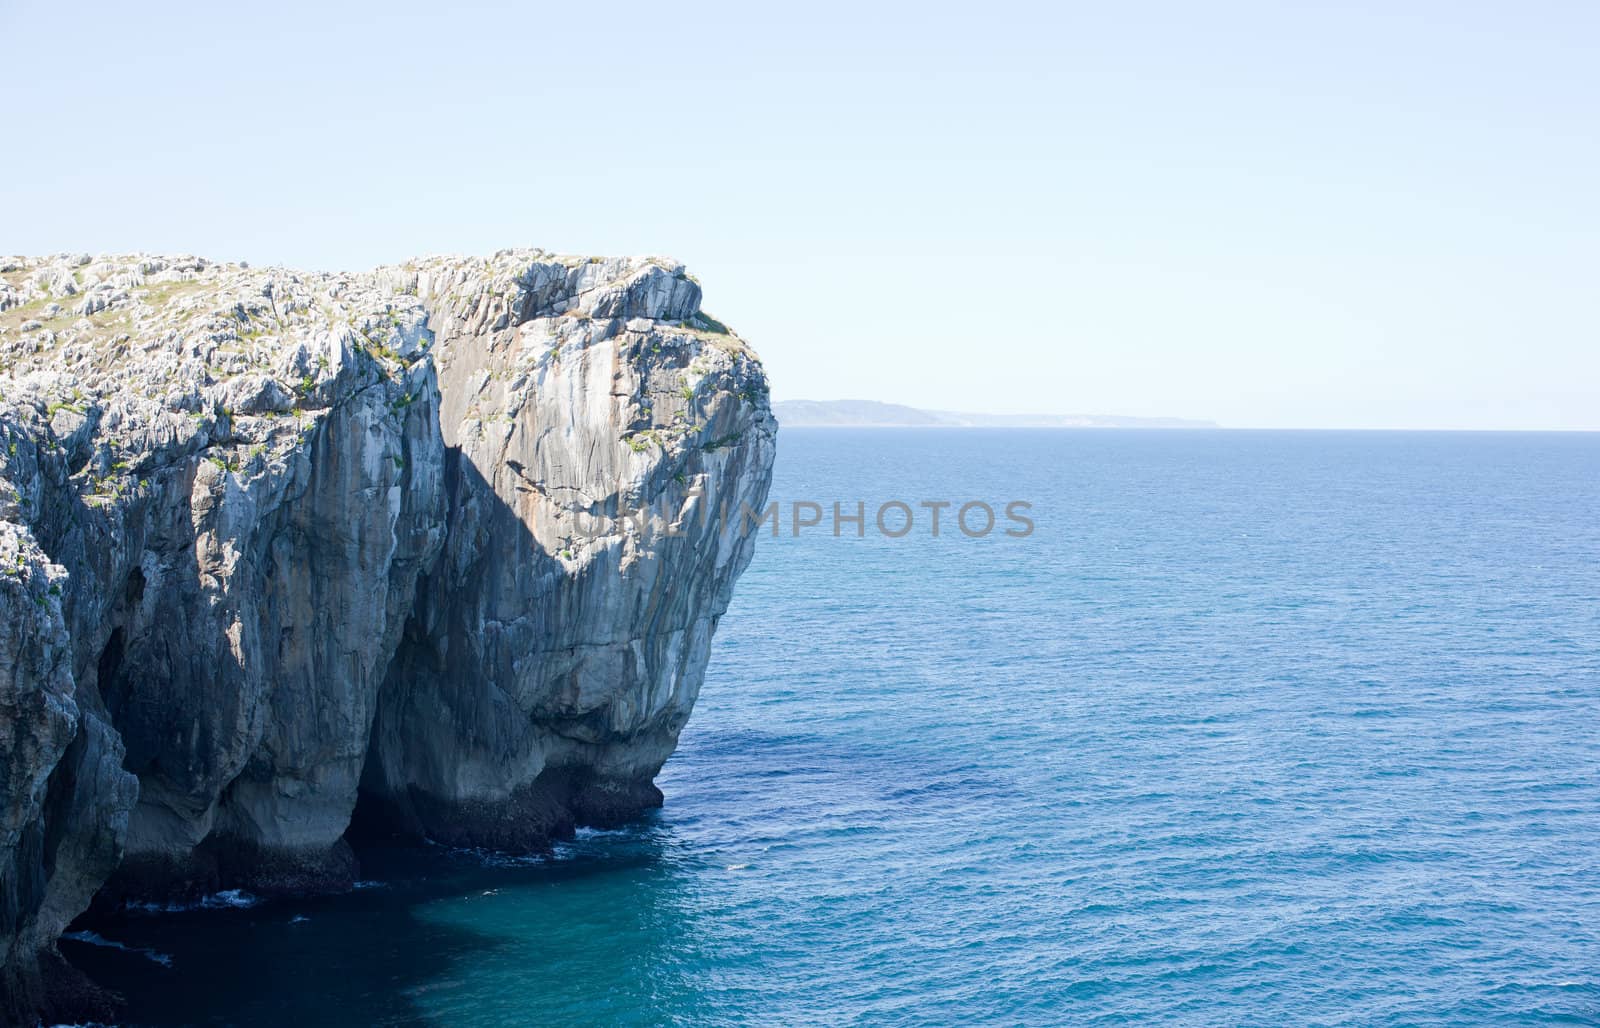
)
(291, 540)
(64, 797)
(561, 644)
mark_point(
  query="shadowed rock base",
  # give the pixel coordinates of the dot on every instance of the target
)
(52, 991)
(557, 803)
(219, 865)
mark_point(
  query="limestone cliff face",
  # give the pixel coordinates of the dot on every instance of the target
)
(273, 545)
(64, 797)
(597, 422)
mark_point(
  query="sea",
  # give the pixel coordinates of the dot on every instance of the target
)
(1265, 728)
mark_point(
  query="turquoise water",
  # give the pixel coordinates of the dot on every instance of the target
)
(1255, 728)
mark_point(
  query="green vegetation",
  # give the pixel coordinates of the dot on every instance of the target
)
(159, 294)
(703, 322)
(723, 442)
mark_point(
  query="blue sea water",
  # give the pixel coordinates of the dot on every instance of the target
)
(1255, 728)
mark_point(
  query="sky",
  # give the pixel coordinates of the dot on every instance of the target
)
(1306, 215)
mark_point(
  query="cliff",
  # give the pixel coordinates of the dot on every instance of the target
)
(279, 550)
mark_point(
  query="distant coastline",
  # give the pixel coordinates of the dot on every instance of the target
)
(875, 414)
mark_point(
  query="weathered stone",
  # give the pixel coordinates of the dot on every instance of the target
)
(293, 539)
(64, 797)
(566, 658)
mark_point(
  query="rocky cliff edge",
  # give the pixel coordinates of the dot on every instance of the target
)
(439, 548)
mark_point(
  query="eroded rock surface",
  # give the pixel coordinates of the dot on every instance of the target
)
(272, 543)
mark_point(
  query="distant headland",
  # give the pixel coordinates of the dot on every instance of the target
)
(874, 414)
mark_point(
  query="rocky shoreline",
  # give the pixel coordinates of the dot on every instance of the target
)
(283, 551)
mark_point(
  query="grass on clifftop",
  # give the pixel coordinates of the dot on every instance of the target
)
(703, 322)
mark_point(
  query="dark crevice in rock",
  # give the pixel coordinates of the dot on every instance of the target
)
(548, 809)
(106, 670)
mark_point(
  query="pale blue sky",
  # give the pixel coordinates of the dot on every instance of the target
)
(1276, 215)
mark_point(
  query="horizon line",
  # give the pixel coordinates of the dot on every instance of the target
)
(1187, 430)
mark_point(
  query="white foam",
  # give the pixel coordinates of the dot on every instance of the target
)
(228, 899)
(496, 858)
(96, 939)
(598, 833)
